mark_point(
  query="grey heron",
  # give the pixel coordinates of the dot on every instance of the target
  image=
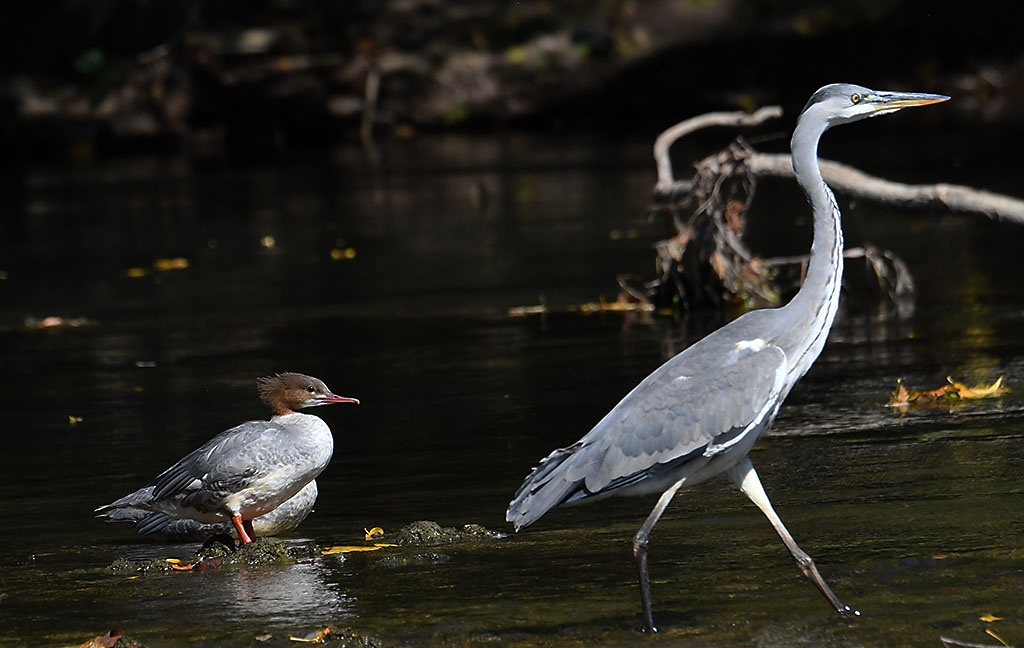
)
(699, 414)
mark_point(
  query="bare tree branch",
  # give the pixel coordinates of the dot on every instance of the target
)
(843, 178)
(668, 137)
(853, 182)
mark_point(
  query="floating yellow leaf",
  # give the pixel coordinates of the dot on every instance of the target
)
(989, 632)
(268, 241)
(136, 272)
(946, 394)
(989, 618)
(520, 311)
(177, 263)
(343, 549)
(375, 532)
(72, 420)
(327, 551)
(176, 564)
(618, 306)
(102, 641)
(979, 391)
(316, 637)
(338, 254)
(516, 55)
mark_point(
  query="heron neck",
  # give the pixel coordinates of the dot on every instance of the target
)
(816, 302)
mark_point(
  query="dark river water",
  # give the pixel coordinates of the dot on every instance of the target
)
(392, 284)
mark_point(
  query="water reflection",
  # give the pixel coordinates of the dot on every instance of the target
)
(277, 596)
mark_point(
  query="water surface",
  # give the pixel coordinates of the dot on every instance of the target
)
(392, 285)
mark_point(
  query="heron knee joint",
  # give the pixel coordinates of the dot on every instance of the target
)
(640, 543)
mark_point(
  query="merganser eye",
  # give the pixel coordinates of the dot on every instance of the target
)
(855, 97)
(310, 389)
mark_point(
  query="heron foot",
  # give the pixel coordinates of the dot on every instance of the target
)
(846, 610)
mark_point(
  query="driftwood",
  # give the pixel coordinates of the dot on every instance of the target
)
(843, 178)
(707, 263)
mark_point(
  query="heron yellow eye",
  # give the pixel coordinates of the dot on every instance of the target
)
(855, 97)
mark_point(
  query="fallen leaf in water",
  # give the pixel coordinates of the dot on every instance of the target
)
(54, 321)
(989, 632)
(520, 311)
(74, 420)
(177, 263)
(617, 306)
(947, 394)
(316, 637)
(979, 391)
(988, 618)
(337, 254)
(343, 549)
(135, 273)
(102, 641)
(375, 532)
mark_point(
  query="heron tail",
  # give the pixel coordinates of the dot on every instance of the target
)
(545, 488)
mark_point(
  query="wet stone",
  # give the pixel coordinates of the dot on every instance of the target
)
(427, 532)
(213, 555)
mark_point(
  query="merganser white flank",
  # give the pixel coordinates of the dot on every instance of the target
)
(249, 470)
(281, 520)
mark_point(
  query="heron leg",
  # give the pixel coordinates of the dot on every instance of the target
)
(745, 477)
(640, 542)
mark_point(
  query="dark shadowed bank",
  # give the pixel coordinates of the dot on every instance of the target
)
(241, 78)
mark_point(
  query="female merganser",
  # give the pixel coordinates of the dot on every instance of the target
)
(281, 520)
(249, 470)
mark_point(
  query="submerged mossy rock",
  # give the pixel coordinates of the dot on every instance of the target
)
(427, 532)
(264, 551)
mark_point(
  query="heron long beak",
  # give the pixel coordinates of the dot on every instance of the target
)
(896, 100)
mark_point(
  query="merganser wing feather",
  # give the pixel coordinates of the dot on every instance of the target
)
(229, 461)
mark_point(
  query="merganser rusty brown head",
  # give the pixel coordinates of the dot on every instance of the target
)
(288, 392)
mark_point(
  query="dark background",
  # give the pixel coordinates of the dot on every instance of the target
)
(89, 79)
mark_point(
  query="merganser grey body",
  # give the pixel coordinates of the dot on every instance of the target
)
(249, 470)
(284, 518)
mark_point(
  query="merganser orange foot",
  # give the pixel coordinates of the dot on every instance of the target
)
(245, 472)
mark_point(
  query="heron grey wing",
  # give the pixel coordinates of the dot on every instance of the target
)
(682, 410)
(230, 458)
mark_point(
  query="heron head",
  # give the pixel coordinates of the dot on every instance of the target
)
(840, 103)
